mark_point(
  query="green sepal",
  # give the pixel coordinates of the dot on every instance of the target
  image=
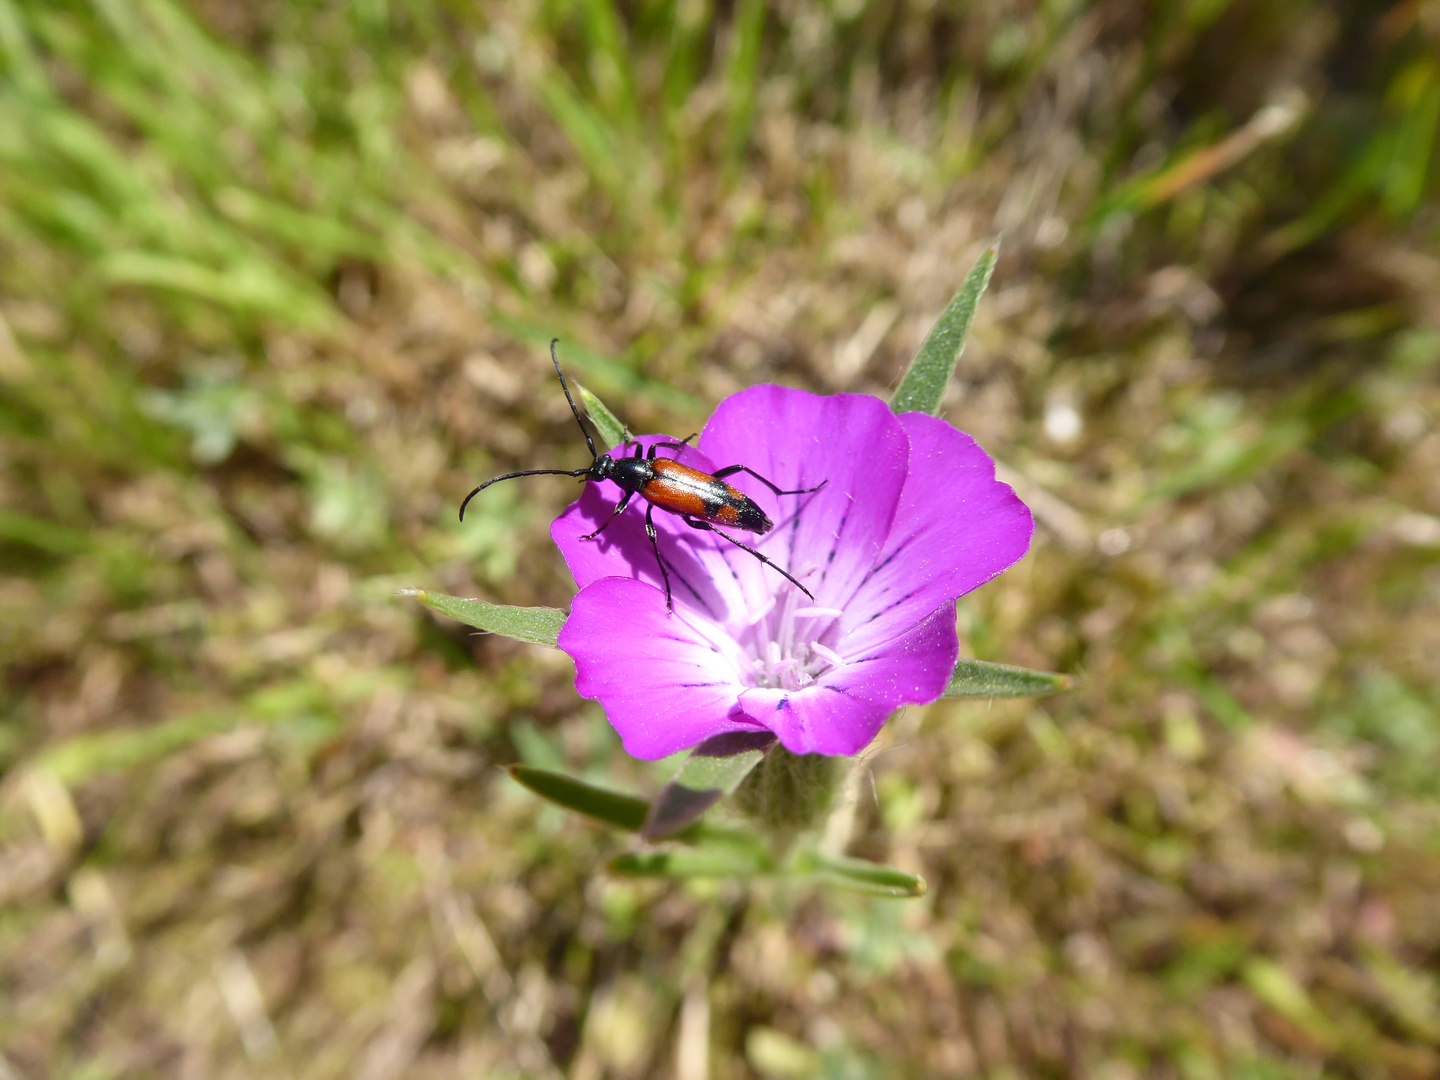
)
(713, 770)
(923, 386)
(611, 431)
(856, 875)
(978, 679)
(537, 625)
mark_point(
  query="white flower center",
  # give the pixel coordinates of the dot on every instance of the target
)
(790, 640)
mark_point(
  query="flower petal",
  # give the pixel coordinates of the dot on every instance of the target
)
(956, 528)
(842, 713)
(665, 683)
(851, 442)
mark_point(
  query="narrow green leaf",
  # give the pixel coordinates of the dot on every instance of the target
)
(608, 807)
(717, 861)
(923, 386)
(856, 875)
(627, 812)
(977, 679)
(713, 770)
(537, 625)
(612, 431)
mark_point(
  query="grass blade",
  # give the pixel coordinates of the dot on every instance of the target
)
(742, 74)
(587, 130)
(611, 64)
(923, 386)
(537, 625)
(21, 63)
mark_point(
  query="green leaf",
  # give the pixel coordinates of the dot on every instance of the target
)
(856, 875)
(612, 431)
(537, 625)
(977, 679)
(923, 386)
(626, 812)
(718, 861)
(713, 770)
(608, 807)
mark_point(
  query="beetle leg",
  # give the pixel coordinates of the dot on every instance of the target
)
(654, 543)
(683, 444)
(619, 509)
(731, 470)
(705, 526)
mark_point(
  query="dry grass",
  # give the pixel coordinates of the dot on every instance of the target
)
(276, 282)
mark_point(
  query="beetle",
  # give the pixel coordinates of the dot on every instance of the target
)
(699, 499)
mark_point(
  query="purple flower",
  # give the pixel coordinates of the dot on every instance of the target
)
(910, 518)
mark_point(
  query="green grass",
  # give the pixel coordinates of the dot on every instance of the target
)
(276, 283)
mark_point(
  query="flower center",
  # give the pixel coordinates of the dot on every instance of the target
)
(789, 641)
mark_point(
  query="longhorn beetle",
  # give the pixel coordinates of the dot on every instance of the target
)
(700, 500)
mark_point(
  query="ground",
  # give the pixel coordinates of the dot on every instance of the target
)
(275, 286)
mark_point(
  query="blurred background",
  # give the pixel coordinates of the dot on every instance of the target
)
(276, 281)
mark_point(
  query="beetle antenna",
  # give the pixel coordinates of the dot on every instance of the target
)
(511, 476)
(588, 441)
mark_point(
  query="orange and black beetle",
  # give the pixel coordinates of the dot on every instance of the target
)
(699, 499)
